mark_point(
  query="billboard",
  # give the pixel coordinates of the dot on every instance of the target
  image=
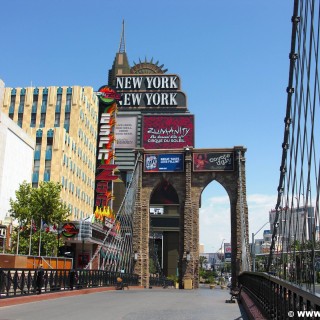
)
(163, 162)
(227, 252)
(126, 132)
(150, 91)
(213, 161)
(168, 132)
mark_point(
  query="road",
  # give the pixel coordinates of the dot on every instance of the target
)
(135, 304)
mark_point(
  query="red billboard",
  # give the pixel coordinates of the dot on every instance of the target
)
(168, 132)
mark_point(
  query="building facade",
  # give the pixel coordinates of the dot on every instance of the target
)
(62, 122)
(295, 224)
(16, 162)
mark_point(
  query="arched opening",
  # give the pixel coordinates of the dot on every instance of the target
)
(164, 230)
(215, 234)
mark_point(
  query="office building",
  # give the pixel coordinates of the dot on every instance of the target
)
(62, 122)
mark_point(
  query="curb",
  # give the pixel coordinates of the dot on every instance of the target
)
(5, 302)
(251, 309)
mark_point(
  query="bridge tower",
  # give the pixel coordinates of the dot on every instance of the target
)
(189, 186)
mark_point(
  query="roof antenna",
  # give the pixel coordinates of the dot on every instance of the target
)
(122, 46)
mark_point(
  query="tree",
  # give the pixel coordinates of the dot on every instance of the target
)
(32, 208)
(202, 262)
(39, 204)
(21, 207)
(46, 204)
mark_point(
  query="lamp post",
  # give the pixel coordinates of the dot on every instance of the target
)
(253, 249)
(219, 255)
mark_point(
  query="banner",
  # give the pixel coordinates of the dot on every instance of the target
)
(168, 132)
(227, 252)
(163, 162)
(213, 161)
(126, 132)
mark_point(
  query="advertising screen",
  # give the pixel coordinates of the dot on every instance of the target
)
(213, 161)
(163, 162)
(168, 132)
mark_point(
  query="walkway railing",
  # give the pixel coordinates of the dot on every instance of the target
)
(277, 298)
(160, 282)
(17, 282)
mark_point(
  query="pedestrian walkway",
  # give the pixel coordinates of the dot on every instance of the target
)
(132, 304)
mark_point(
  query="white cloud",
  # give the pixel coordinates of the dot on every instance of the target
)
(215, 218)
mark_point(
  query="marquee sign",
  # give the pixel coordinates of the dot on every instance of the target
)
(168, 132)
(150, 91)
(213, 161)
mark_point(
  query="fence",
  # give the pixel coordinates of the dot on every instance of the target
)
(17, 282)
(277, 298)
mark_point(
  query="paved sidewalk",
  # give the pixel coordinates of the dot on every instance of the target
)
(132, 304)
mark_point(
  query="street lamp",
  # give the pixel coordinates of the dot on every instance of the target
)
(253, 248)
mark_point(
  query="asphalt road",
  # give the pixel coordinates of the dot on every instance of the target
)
(143, 304)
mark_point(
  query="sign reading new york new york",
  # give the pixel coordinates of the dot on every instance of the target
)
(152, 91)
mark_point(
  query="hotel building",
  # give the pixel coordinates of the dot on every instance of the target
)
(63, 123)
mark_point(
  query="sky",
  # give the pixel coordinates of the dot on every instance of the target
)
(231, 57)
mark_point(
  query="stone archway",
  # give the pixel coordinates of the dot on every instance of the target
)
(164, 229)
(189, 185)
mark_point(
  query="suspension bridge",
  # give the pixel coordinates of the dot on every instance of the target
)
(288, 282)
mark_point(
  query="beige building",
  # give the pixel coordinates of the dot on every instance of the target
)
(63, 123)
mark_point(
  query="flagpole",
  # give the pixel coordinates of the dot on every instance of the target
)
(18, 239)
(30, 237)
(40, 238)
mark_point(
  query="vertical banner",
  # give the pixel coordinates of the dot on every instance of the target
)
(105, 153)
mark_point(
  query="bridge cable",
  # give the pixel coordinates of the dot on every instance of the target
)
(295, 227)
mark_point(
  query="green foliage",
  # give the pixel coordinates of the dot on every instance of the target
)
(21, 207)
(39, 203)
(208, 275)
(211, 279)
(49, 242)
(152, 267)
(202, 262)
(173, 277)
(33, 205)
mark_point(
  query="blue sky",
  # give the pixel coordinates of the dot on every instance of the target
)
(231, 56)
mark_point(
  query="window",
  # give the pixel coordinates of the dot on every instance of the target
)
(37, 150)
(42, 120)
(20, 118)
(36, 166)
(21, 105)
(12, 103)
(47, 170)
(35, 103)
(44, 103)
(67, 121)
(33, 120)
(59, 99)
(68, 102)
